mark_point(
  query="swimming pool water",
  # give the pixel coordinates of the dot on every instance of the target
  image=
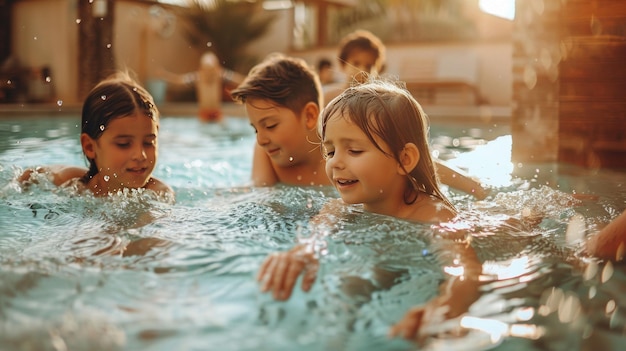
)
(188, 281)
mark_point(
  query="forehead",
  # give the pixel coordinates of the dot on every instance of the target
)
(339, 123)
(137, 123)
(258, 109)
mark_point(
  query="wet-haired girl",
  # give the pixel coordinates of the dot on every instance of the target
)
(374, 139)
(119, 134)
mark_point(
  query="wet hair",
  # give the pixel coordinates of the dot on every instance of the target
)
(362, 40)
(385, 109)
(287, 81)
(117, 96)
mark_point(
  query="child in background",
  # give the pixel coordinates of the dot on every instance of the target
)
(119, 134)
(325, 71)
(282, 100)
(362, 55)
(209, 82)
(375, 143)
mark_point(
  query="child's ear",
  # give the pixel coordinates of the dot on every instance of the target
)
(311, 114)
(409, 158)
(88, 146)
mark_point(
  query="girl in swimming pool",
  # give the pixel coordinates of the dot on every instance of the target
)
(374, 139)
(119, 134)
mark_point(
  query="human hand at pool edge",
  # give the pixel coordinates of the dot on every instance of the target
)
(279, 272)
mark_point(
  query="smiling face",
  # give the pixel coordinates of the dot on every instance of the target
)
(359, 170)
(285, 136)
(125, 153)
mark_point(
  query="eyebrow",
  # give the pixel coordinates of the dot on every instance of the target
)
(342, 141)
(151, 135)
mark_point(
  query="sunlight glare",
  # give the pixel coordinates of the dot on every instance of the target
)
(491, 163)
(496, 329)
(516, 268)
(500, 8)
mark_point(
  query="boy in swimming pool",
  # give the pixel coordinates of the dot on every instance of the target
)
(119, 134)
(282, 100)
(375, 142)
(282, 96)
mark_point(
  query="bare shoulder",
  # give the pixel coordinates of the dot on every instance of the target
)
(160, 187)
(431, 209)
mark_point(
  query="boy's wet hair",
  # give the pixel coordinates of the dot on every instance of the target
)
(119, 95)
(362, 40)
(385, 109)
(287, 81)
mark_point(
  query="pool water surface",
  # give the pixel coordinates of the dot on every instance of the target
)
(187, 281)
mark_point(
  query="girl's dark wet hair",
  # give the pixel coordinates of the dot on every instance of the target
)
(287, 81)
(117, 96)
(387, 110)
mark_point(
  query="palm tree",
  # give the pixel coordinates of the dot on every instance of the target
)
(226, 27)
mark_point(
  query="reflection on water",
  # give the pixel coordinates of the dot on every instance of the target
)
(129, 272)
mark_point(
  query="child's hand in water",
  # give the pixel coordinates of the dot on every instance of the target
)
(415, 323)
(279, 272)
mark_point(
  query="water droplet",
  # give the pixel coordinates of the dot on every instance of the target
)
(106, 178)
(108, 46)
(60, 103)
(290, 158)
(78, 20)
(102, 127)
(209, 44)
(48, 79)
(103, 97)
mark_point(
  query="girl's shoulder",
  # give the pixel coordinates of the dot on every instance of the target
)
(160, 188)
(432, 209)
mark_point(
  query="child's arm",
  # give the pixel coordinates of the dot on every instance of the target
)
(609, 243)
(457, 179)
(59, 174)
(262, 171)
(280, 271)
(455, 297)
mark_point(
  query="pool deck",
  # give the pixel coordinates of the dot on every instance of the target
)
(453, 114)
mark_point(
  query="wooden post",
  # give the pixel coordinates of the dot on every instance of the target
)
(95, 43)
(592, 111)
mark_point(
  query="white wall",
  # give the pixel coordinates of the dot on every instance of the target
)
(45, 34)
(493, 63)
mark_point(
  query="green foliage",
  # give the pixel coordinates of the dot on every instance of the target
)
(226, 27)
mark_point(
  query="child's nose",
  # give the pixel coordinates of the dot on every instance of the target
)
(335, 161)
(262, 139)
(140, 153)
